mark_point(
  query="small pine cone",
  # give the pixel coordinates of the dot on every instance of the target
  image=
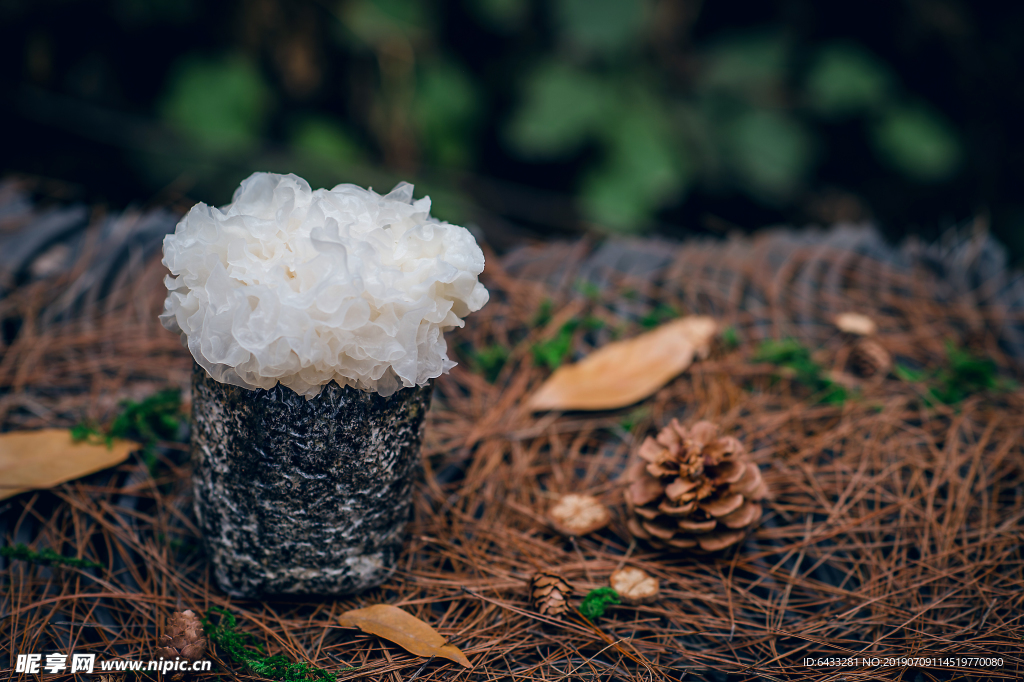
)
(869, 358)
(691, 488)
(184, 639)
(549, 594)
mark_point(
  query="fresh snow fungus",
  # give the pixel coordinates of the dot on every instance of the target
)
(303, 287)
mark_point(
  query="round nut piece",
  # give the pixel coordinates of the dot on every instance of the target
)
(634, 586)
(577, 514)
(856, 323)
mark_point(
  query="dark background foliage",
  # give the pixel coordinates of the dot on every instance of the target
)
(535, 118)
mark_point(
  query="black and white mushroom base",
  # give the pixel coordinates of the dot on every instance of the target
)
(303, 496)
(316, 322)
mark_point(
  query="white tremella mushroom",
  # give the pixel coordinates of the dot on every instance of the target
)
(338, 296)
(303, 287)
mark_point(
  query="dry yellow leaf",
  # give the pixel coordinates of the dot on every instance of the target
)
(405, 630)
(43, 459)
(625, 372)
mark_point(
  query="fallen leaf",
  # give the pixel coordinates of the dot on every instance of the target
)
(30, 460)
(405, 630)
(625, 372)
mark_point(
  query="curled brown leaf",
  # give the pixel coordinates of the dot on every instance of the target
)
(404, 629)
(30, 460)
(626, 372)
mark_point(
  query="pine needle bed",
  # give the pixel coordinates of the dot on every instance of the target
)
(894, 530)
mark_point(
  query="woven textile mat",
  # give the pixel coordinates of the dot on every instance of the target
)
(894, 528)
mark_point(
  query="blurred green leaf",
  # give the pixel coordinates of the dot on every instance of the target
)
(553, 352)
(660, 314)
(326, 139)
(730, 337)
(445, 111)
(846, 79)
(963, 374)
(634, 417)
(87, 431)
(561, 108)
(907, 374)
(446, 202)
(751, 66)
(609, 200)
(377, 21)
(787, 352)
(795, 357)
(643, 168)
(502, 15)
(589, 289)
(488, 361)
(917, 142)
(222, 103)
(600, 25)
(156, 417)
(769, 152)
(543, 314)
(966, 374)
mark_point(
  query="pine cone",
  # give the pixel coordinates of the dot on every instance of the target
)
(185, 639)
(868, 358)
(691, 488)
(549, 594)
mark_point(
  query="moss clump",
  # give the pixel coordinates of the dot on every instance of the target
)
(793, 356)
(553, 352)
(243, 649)
(47, 557)
(593, 605)
(660, 314)
(489, 361)
(962, 375)
(157, 417)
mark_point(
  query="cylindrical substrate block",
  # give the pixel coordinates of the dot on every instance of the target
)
(303, 497)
